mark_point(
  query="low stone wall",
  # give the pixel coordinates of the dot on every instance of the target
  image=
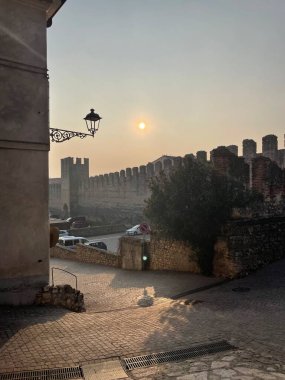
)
(61, 295)
(87, 254)
(248, 245)
(97, 230)
(161, 255)
(172, 255)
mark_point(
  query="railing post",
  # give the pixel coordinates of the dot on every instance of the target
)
(66, 271)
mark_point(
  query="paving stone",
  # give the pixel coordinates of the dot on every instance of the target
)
(200, 363)
(198, 368)
(212, 376)
(254, 372)
(228, 358)
(225, 373)
(279, 375)
(196, 376)
(219, 364)
(174, 374)
(145, 371)
(106, 370)
(270, 369)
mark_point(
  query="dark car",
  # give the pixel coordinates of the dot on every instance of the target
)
(54, 216)
(79, 224)
(72, 219)
(98, 244)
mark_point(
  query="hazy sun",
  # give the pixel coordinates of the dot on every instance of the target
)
(142, 125)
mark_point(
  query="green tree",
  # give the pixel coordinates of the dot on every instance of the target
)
(192, 204)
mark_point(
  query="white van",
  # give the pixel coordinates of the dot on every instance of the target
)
(71, 241)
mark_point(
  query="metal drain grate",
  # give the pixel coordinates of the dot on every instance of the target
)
(46, 374)
(187, 353)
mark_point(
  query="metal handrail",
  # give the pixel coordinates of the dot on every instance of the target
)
(63, 270)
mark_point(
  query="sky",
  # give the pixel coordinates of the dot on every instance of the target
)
(198, 73)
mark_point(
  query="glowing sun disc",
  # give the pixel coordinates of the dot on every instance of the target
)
(142, 125)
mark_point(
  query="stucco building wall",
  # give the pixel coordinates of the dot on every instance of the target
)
(24, 146)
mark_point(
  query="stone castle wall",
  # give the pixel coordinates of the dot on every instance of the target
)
(119, 197)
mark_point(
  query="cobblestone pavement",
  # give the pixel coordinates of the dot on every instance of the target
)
(106, 288)
(241, 364)
(253, 321)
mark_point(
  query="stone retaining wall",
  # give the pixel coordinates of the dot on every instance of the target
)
(244, 246)
(248, 245)
(87, 254)
(172, 255)
(61, 295)
(162, 255)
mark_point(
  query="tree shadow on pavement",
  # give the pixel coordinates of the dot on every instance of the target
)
(256, 315)
(20, 319)
(107, 288)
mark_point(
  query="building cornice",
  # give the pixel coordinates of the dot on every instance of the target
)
(51, 7)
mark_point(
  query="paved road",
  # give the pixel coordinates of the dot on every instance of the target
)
(112, 241)
(253, 321)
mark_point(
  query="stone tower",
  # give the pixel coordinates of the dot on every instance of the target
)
(72, 175)
(248, 149)
(270, 147)
(201, 156)
(233, 149)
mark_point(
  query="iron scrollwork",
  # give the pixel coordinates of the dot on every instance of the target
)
(60, 135)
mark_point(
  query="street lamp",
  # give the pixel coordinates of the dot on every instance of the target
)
(91, 119)
(60, 135)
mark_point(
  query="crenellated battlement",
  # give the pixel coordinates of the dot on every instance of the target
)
(128, 188)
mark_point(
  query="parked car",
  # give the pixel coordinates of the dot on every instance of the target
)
(71, 241)
(79, 224)
(63, 233)
(139, 229)
(98, 244)
(134, 230)
(72, 219)
(54, 216)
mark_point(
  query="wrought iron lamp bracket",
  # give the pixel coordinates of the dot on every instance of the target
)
(60, 135)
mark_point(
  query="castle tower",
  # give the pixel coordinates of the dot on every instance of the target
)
(270, 147)
(72, 175)
(233, 149)
(201, 156)
(248, 150)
